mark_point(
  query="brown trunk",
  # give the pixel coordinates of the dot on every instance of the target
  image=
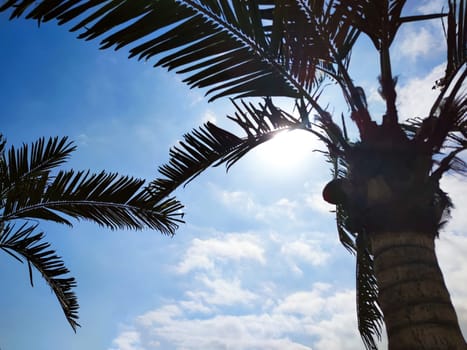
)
(416, 304)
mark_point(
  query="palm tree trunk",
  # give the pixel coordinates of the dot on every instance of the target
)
(416, 304)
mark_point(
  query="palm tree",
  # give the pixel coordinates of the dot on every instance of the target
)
(389, 204)
(32, 190)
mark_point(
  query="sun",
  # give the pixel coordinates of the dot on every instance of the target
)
(289, 150)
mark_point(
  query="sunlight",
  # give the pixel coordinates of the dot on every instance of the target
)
(287, 151)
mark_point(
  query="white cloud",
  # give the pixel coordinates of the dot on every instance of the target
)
(209, 116)
(320, 319)
(305, 303)
(237, 199)
(244, 204)
(221, 332)
(204, 254)
(246, 301)
(417, 96)
(195, 306)
(221, 292)
(431, 6)
(127, 340)
(418, 43)
(421, 40)
(304, 251)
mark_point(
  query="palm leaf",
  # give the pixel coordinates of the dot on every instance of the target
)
(378, 21)
(23, 243)
(456, 38)
(370, 317)
(241, 48)
(27, 163)
(339, 170)
(2, 145)
(105, 198)
(213, 146)
(445, 129)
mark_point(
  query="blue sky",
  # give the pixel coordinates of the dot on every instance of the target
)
(258, 264)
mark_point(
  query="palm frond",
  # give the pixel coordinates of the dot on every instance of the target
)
(213, 146)
(215, 41)
(237, 48)
(24, 243)
(370, 317)
(445, 130)
(27, 163)
(2, 145)
(105, 198)
(378, 22)
(346, 236)
(456, 38)
(340, 170)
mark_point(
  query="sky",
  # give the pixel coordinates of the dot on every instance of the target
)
(257, 265)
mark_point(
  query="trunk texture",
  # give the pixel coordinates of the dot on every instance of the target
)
(416, 304)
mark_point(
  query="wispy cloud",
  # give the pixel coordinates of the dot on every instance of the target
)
(238, 297)
(204, 254)
(431, 6)
(218, 291)
(418, 43)
(304, 251)
(416, 97)
(128, 340)
(322, 318)
(246, 204)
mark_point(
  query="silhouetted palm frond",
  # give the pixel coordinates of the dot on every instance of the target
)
(105, 198)
(27, 163)
(213, 146)
(456, 38)
(369, 315)
(30, 190)
(24, 243)
(352, 237)
(444, 130)
(378, 21)
(240, 48)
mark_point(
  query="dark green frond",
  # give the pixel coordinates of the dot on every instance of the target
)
(105, 198)
(24, 243)
(370, 317)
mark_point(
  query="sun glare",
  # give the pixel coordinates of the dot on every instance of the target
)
(288, 150)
